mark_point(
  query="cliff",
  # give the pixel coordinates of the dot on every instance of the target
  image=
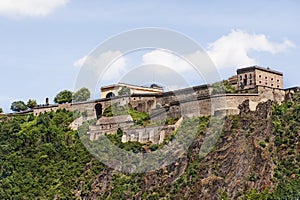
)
(246, 163)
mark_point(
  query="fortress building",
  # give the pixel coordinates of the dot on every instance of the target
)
(250, 77)
(114, 90)
(254, 84)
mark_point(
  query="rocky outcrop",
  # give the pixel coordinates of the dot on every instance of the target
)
(237, 163)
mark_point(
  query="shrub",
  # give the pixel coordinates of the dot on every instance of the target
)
(262, 144)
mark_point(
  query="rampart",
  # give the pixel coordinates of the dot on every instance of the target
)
(189, 102)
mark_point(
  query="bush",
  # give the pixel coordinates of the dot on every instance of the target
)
(262, 144)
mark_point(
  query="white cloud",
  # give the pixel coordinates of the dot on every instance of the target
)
(233, 49)
(18, 8)
(80, 62)
(167, 59)
(110, 65)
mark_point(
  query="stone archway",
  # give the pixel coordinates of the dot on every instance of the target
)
(98, 108)
(110, 95)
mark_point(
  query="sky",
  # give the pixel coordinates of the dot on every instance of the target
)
(45, 43)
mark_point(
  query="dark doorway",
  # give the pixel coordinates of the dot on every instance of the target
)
(98, 108)
(110, 95)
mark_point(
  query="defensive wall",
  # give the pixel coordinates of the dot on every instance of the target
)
(188, 102)
(195, 101)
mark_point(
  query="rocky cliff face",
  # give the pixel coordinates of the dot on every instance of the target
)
(244, 159)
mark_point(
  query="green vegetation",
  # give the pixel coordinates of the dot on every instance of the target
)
(64, 96)
(124, 91)
(140, 118)
(115, 110)
(1, 110)
(286, 121)
(222, 87)
(31, 103)
(82, 94)
(41, 158)
(18, 106)
(171, 121)
(262, 144)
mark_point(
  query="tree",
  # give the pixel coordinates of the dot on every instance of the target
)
(82, 95)
(64, 96)
(18, 106)
(31, 103)
(222, 88)
(1, 110)
(124, 91)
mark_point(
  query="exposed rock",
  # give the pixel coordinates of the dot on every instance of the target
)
(236, 164)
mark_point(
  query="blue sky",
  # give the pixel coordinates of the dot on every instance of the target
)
(42, 43)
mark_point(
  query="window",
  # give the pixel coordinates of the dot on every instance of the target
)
(266, 77)
(250, 82)
(277, 80)
(241, 77)
(259, 81)
(272, 85)
(278, 86)
(272, 79)
(259, 76)
(266, 83)
(245, 75)
(250, 76)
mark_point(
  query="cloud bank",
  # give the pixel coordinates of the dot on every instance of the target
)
(109, 65)
(232, 50)
(19, 8)
(229, 51)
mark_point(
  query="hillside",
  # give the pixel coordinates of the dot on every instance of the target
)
(256, 157)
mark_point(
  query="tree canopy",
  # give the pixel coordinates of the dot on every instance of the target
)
(64, 96)
(222, 87)
(18, 106)
(82, 94)
(1, 110)
(31, 103)
(124, 91)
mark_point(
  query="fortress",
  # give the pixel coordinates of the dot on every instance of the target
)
(254, 83)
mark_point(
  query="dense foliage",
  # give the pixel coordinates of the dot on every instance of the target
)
(64, 96)
(82, 94)
(286, 121)
(124, 91)
(18, 106)
(41, 158)
(222, 87)
(140, 118)
(31, 103)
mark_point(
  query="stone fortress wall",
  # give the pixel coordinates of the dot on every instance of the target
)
(188, 102)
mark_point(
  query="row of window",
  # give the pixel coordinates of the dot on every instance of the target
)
(250, 83)
(267, 78)
(250, 77)
(272, 85)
